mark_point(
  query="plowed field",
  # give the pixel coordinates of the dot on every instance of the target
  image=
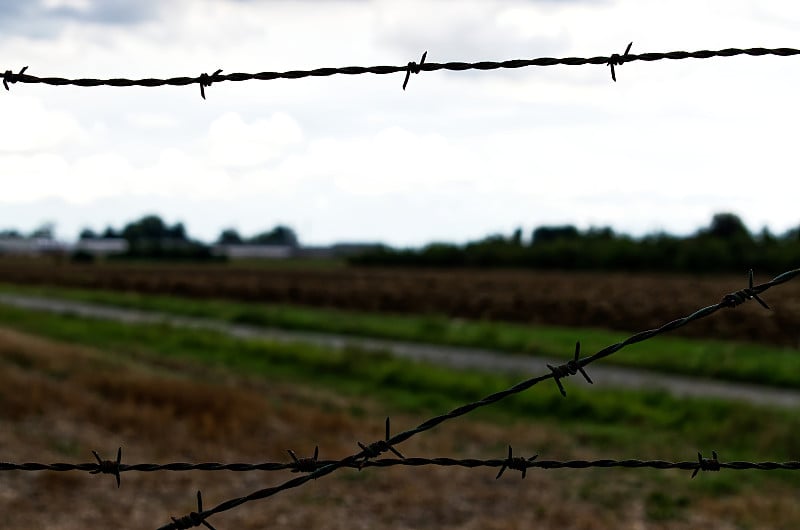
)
(621, 301)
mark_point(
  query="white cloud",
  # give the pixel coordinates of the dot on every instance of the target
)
(30, 127)
(152, 120)
(78, 5)
(234, 143)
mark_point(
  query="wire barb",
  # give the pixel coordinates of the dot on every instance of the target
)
(108, 467)
(206, 80)
(617, 60)
(375, 449)
(517, 463)
(193, 519)
(305, 465)
(11, 77)
(569, 368)
(414, 68)
(741, 296)
(706, 464)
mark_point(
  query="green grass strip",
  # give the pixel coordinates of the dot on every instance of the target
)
(733, 361)
(647, 424)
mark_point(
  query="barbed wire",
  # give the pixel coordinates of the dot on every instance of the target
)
(370, 452)
(313, 468)
(311, 464)
(205, 80)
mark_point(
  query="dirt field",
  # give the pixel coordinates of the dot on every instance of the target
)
(617, 301)
(59, 402)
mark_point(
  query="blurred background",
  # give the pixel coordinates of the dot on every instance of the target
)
(286, 263)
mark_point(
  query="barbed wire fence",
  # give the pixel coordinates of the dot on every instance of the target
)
(368, 455)
(205, 80)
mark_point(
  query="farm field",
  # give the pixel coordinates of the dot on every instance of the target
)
(627, 302)
(167, 394)
(726, 360)
(70, 385)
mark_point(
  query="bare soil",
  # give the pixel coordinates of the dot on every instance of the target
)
(623, 301)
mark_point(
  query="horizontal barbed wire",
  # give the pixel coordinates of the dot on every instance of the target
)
(367, 456)
(309, 465)
(369, 452)
(205, 80)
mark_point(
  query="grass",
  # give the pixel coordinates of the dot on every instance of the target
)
(734, 361)
(647, 424)
(59, 401)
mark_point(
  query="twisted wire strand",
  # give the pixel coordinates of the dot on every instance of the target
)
(361, 459)
(408, 461)
(205, 80)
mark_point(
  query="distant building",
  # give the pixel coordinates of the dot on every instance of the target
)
(41, 246)
(246, 251)
(34, 246)
(101, 246)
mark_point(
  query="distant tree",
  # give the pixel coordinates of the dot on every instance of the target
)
(87, 233)
(727, 226)
(10, 233)
(280, 235)
(792, 234)
(547, 234)
(229, 236)
(45, 231)
(153, 228)
(177, 231)
(766, 237)
(148, 227)
(605, 232)
(516, 237)
(110, 233)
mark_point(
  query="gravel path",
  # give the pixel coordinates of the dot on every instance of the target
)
(474, 358)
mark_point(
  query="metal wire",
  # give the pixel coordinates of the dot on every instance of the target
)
(369, 453)
(205, 80)
(363, 457)
(511, 462)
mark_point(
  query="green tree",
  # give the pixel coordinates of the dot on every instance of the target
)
(87, 233)
(45, 231)
(280, 235)
(548, 234)
(229, 236)
(727, 226)
(153, 228)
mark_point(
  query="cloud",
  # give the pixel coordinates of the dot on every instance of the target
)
(33, 127)
(117, 12)
(44, 19)
(470, 30)
(234, 143)
(152, 120)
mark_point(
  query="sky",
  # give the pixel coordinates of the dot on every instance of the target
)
(455, 157)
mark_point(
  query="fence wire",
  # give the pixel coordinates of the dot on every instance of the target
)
(313, 468)
(311, 464)
(205, 80)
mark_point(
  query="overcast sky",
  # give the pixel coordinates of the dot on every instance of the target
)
(456, 156)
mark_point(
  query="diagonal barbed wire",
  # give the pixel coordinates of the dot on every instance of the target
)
(369, 452)
(205, 80)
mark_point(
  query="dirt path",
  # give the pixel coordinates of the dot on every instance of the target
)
(458, 357)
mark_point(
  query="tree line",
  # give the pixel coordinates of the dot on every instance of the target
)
(725, 244)
(151, 238)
